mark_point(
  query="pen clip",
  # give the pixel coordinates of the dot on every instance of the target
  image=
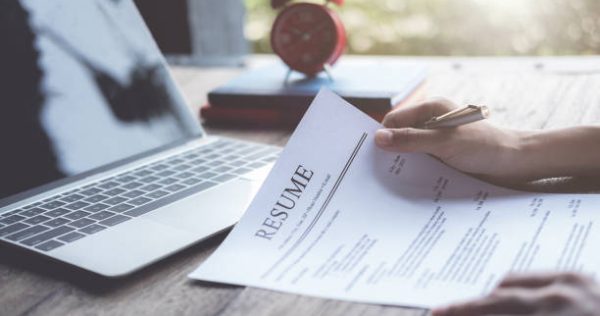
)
(457, 112)
(465, 115)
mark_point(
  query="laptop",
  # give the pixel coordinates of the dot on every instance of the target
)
(103, 165)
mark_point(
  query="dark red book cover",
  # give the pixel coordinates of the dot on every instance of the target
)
(281, 116)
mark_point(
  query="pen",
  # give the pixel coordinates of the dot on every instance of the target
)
(462, 116)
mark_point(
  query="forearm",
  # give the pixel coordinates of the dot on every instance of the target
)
(563, 152)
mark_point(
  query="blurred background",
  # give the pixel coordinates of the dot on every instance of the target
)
(402, 27)
(455, 27)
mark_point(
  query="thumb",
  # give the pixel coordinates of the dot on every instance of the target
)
(409, 139)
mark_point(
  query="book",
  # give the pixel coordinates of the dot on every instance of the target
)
(371, 85)
(282, 116)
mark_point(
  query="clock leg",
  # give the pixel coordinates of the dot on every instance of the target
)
(287, 76)
(328, 71)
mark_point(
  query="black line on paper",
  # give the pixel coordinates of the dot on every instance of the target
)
(323, 207)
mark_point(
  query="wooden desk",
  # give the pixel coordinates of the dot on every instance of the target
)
(523, 93)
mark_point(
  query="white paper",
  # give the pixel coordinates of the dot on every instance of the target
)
(381, 227)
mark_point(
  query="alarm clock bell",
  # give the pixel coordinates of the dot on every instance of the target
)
(308, 37)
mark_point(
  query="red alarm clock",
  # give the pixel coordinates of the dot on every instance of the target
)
(308, 37)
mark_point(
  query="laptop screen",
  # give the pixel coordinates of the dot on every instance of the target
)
(83, 85)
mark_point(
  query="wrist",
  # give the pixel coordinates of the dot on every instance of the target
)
(522, 149)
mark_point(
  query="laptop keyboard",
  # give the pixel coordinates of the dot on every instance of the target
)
(66, 217)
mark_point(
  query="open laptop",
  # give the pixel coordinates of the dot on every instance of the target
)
(103, 166)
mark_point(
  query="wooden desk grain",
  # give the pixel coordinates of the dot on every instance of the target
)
(523, 93)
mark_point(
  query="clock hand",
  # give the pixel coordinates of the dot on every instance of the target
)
(306, 36)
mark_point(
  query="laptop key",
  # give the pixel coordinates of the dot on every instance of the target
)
(224, 177)
(52, 205)
(12, 229)
(82, 223)
(237, 163)
(175, 187)
(165, 173)
(47, 246)
(125, 179)
(101, 215)
(27, 233)
(151, 187)
(232, 157)
(249, 150)
(92, 229)
(77, 215)
(132, 185)
(133, 194)
(207, 175)
(168, 181)
(115, 191)
(200, 169)
(57, 212)
(12, 219)
(72, 198)
(222, 169)
(215, 163)
(117, 219)
(159, 167)
(182, 167)
(140, 200)
(90, 191)
(70, 237)
(197, 161)
(121, 208)
(175, 161)
(77, 205)
(97, 207)
(157, 194)
(241, 170)
(149, 179)
(142, 173)
(260, 154)
(47, 235)
(57, 222)
(37, 219)
(115, 200)
(32, 212)
(96, 198)
(184, 175)
(109, 185)
(191, 181)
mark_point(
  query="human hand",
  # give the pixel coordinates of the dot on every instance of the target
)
(477, 148)
(548, 294)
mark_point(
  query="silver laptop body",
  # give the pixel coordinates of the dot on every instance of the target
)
(103, 165)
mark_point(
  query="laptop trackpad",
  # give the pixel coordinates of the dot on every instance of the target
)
(209, 211)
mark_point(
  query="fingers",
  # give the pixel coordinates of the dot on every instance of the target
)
(500, 302)
(410, 139)
(541, 279)
(532, 293)
(417, 114)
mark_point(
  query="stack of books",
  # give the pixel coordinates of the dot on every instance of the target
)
(265, 97)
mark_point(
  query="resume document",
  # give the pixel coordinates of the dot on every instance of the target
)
(340, 218)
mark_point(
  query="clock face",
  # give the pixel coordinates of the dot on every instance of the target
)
(306, 36)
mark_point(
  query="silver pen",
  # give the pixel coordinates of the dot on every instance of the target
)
(462, 116)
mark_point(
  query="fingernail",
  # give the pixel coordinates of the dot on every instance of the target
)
(383, 137)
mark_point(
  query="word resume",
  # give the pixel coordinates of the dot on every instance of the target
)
(340, 218)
